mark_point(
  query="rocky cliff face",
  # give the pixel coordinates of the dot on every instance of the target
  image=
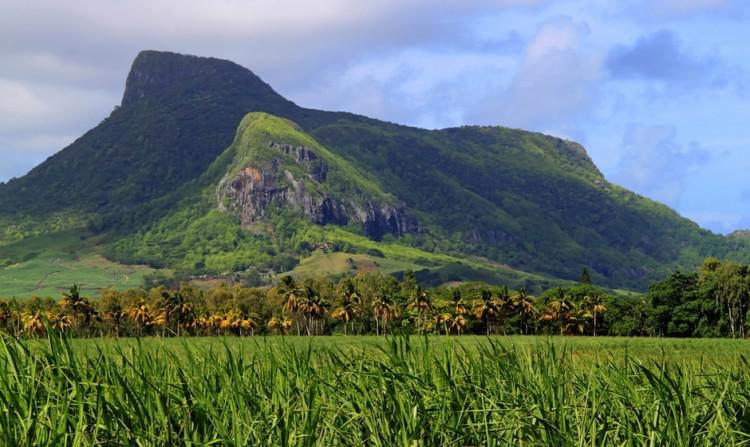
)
(256, 190)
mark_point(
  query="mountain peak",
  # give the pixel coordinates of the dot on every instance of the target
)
(156, 73)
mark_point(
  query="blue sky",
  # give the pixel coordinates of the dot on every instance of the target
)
(657, 91)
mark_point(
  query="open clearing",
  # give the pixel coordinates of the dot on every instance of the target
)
(321, 263)
(47, 266)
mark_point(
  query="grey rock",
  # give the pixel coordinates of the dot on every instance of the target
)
(256, 190)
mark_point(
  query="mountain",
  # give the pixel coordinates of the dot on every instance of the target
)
(275, 165)
(205, 168)
(273, 185)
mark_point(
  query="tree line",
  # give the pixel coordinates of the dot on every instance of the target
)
(713, 301)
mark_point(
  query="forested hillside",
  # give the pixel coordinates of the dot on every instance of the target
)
(481, 195)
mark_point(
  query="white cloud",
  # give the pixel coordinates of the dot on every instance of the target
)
(554, 36)
(555, 85)
(37, 120)
(46, 67)
(423, 88)
(27, 107)
(719, 222)
(655, 164)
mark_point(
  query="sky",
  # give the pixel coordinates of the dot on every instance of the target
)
(656, 90)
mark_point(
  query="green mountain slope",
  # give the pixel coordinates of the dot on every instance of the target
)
(260, 201)
(166, 178)
(276, 195)
(533, 201)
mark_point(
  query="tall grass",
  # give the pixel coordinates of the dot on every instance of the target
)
(403, 392)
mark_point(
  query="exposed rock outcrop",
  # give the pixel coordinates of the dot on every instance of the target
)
(256, 190)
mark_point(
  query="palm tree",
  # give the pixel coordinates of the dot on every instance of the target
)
(557, 310)
(274, 324)
(141, 316)
(525, 306)
(229, 321)
(6, 315)
(59, 321)
(350, 305)
(292, 301)
(312, 308)
(443, 320)
(458, 303)
(286, 325)
(385, 310)
(235, 322)
(422, 304)
(245, 325)
(33, 324)
(576, 319)
(595, 306)
(159, 320)
(279, 325)
(71, 298)
(458, 324)
(113, 317)
(82, 310)
(487, 309)
(347, 311)
(167, 305)
(178, 310)
(204, 325)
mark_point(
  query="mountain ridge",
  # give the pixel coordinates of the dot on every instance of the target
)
(535, 202)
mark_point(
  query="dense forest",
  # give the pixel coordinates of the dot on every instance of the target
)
(712, 302)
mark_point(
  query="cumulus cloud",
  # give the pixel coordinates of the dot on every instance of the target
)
(271, 37)
(26, 106)
(655, 164)
(36, 120)
(661, 56)
(720, 222)
(556, 83)
(423, 88)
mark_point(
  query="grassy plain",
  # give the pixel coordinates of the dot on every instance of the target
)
(49, 265)
(358, 391)
(721, 351)
(320, 263)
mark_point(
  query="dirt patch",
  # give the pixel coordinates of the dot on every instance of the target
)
(365, 265)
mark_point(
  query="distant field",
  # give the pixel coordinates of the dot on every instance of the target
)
(436, 268)
(675, 350)
(357, 391)
(338, 263)
(49, 265)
